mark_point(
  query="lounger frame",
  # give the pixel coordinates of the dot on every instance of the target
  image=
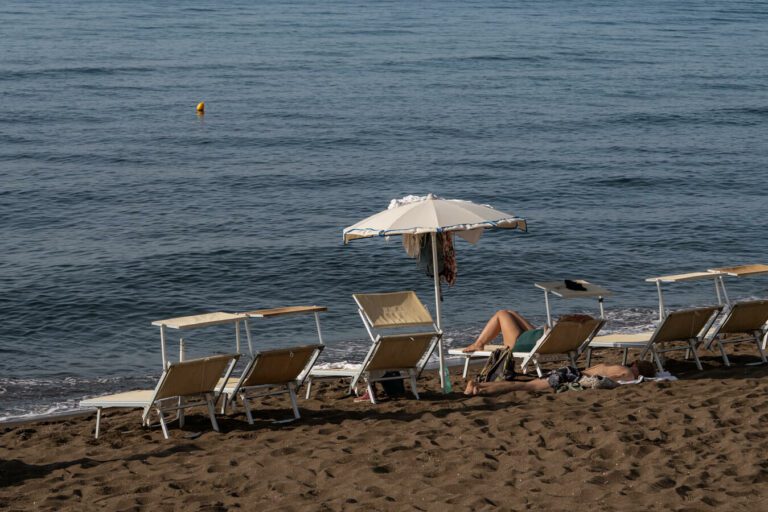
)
(182, 385)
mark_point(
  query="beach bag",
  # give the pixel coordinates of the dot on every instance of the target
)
(499, 367)
(394, 387)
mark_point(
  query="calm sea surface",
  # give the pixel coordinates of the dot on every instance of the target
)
(631, 135)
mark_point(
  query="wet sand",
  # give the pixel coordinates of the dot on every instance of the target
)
(699, 443)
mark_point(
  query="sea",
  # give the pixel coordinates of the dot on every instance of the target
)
(630, 135)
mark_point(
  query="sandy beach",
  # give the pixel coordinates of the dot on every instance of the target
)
(695, 444)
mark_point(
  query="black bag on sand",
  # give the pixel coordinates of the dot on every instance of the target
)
(499, 367)
(394, 387)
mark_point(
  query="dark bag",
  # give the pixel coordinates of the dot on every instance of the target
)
(499, 367)
(394, 387)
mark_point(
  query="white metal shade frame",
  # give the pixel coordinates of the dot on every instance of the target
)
(716, 274)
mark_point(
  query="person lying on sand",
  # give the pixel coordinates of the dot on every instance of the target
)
(517, 332)
(591, 377)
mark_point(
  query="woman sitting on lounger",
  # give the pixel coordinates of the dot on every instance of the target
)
(564, 376)
(517, 332)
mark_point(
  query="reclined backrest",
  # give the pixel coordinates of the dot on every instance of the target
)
(569, 335)
(745, 317)
(684, 324)
(192, 377)
(279, 366)
(400, 351)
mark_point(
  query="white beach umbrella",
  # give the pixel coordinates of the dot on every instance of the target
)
(433, 215)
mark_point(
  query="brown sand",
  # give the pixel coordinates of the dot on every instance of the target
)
(700, 443)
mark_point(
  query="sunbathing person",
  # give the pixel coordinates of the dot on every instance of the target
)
(591, 377)
(517, 332)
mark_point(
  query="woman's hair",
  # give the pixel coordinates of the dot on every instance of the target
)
(645, 368)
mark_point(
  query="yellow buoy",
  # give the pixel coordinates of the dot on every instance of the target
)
(201, 106)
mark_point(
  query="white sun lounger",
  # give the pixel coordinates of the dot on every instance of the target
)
(679, 330)
(566, 340)
(182, 385)
(405, 352)
(272, 372)
(744, 322)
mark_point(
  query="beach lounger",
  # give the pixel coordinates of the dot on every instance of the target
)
(679, 330)
(272, 372)
(406, 352)
(182, 385)
(744, 322)
(566, 340)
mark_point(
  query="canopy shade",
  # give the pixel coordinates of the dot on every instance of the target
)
(433, 216)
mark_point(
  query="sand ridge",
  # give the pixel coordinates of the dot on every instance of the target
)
(699, 443)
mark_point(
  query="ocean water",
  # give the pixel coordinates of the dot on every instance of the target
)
(631, 135)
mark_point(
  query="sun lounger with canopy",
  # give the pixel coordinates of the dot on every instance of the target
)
(679, 330)
(182, 385)
(406, 352)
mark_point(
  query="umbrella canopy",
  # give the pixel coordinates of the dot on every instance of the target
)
(431, 214)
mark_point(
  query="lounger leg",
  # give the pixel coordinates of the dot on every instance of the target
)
(98, 422)
(692, 344)
(309, 388)
(162, 422)
(414, 390)
(224, 400)
(726, 361)
(589, 357)
(294, 405)
(212, 411)
(181, 412)
(247, 408)
(760, 349)
(371, 393)
(538, 369)
(625, 356)
(466, 367)
(657, 359)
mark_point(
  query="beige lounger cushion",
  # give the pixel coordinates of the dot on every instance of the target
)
(745, 317)
(279, 366)
(567, 336)
(193, 377)
(400, 351)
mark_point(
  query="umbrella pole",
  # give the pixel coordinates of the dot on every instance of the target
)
(436, 274)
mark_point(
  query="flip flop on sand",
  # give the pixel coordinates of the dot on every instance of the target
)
(365, 397)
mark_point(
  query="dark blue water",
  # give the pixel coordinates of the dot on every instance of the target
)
(631, 135)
